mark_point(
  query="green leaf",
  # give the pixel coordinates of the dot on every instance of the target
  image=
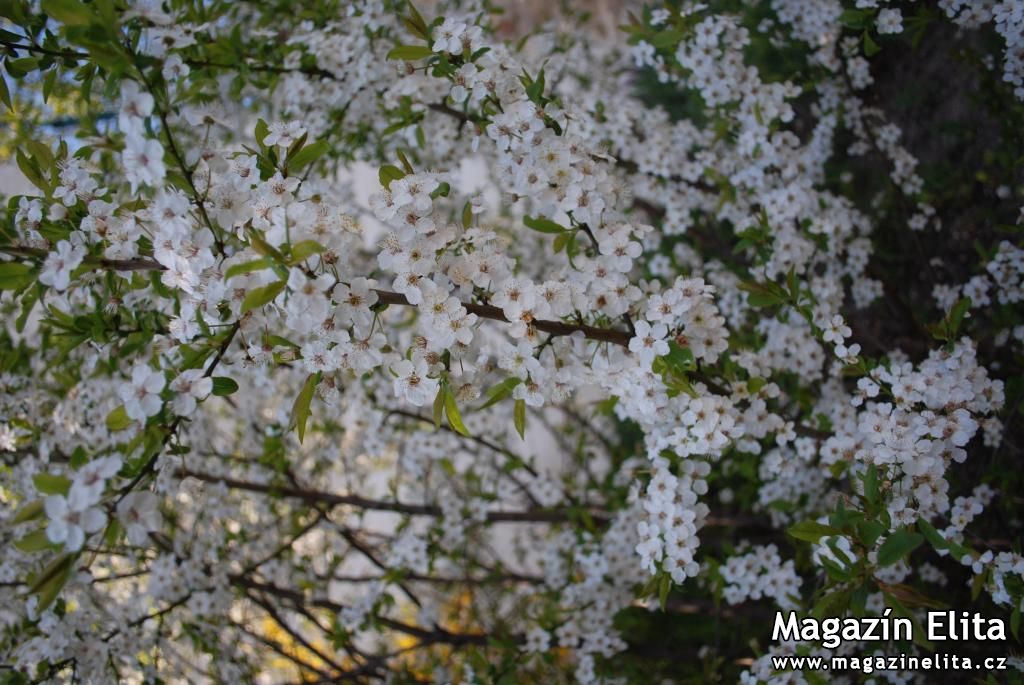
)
(664, 586)
(870, 531)
(389, 173)
(15, 275)
(70, 12)
(35, 542)
(978, 584)
(853, 18)
(28, 303)
(304, 249)
(451, 410)
(832, 603)
(811, 531)
(264, 248)
(898, 545)
(21, 67)
(406, 164)
(871, 48)
(261, 131)
(308, 155)
(222, 386)
(30, 511)
(258, 297)
(441, 190)
(32, 172)
(438, 406)
(501, 391)
(561, 241)
(957, 314)
(42, 155)
(249, 267)
(49, 484)
(543, 225)
(414, 29)
(519, 417)
(48, 584)
(300, 410)
(49, 81)
(535, 88)
(118, 420)
(5, 94)
(931, 535)
(679, 359)
(416, 19)
(763, 294)
(664, 40)
(871, 486)
(410, 52)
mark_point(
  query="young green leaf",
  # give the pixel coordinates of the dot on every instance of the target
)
(5, 94)
(898, 545)
(811, 531)
(441, 190)
(451, 410)
(30, 511)
(439, 406)
(501, 391)
(51, 580)
(410, 53)
(49, 484)
(257, 297)
(249, 267)
(70, 12)
(957, 314)
(308, 155)
(261, 131)
(117, 420)
(543, 225)
(35, 542)
(664, 587)
(222, 386)
(519, 417)
(389, 173)
(871, 48)
(15, 275)
(300, 410)
(303, 250)
(933, 537)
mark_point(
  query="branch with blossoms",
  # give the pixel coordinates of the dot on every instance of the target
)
(374, 347)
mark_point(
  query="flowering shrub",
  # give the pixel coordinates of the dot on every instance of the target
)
(634, 340)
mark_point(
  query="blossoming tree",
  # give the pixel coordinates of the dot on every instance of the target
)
(627, 340)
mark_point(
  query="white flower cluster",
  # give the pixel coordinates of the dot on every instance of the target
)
(673, 516)
(75, 516)
(232, 351)
(761, 573)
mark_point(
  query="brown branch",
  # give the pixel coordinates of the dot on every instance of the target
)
(538, 515)
(435, 636)
(295, 634)
(139, 264)
(276, 646)
(490, 579)
(483, 311)
(486, 311)
(483, 442)
(64, 54)
(409, 509)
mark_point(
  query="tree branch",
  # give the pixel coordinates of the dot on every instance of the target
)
(320, 497)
